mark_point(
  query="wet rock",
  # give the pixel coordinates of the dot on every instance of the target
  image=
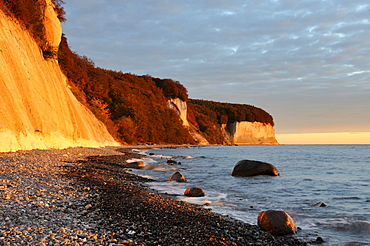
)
(172, 162)
(318, 240)
(194, 192)
(178, 177)
(245, 168)
(319, 204)
(136, 164)
(277, 222)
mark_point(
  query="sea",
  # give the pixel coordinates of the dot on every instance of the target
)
(324, 188)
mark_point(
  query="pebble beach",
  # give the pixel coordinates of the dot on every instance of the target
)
(85, 196)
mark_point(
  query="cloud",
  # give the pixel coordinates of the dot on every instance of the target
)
(299, 60)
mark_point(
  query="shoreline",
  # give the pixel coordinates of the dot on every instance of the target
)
(84, 196)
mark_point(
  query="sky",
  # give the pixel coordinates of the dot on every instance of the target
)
(305, 62)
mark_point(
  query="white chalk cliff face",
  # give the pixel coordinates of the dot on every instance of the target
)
(181, 109)
(37, 110)
(246, 132)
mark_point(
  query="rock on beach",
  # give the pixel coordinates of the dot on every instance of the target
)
(194, 192)
(136, 164)
(277, 222)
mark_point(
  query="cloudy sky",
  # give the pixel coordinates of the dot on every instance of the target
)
(307, 62)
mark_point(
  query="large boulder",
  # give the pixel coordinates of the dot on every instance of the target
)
(277, 222)
(245, 168)
(194, 192)
(178, 177)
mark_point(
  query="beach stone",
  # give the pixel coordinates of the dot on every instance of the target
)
(277, 222)
(246, 168)
(136, 164)
(178, 177)
(194, 192)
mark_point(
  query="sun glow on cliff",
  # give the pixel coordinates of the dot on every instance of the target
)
(325, 138)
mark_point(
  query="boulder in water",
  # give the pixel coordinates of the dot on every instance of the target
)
(319, 204)
(194, 192)
(172, 162)
(245, 168)
(277, 222)
(178, 177)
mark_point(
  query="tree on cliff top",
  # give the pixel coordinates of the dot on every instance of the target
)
(132, 107)
(172, 89)
(224, 113)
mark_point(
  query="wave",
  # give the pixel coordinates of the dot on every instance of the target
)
(357, 227)
(343, 225)
(347, 198)
(145, 152)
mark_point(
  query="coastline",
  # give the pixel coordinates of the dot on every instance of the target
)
(84, 196)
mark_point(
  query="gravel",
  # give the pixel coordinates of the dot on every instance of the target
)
(84, 196)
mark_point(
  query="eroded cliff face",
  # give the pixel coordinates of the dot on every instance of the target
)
(181, 109)
(246, 132)
(37, 110)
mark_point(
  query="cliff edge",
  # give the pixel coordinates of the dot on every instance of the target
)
(37, 110)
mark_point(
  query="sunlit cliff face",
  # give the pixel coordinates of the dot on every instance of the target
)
(246, 132)
(37, 110)
(53, 28)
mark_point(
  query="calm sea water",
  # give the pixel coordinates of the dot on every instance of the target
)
(337, 175)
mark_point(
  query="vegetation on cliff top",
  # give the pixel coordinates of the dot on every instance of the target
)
(224, 113)
(30, 14)
(132, 107)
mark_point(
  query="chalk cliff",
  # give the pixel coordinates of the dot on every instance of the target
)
(246, 132)
(181, 109)
(37, 110)
(243, 132)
